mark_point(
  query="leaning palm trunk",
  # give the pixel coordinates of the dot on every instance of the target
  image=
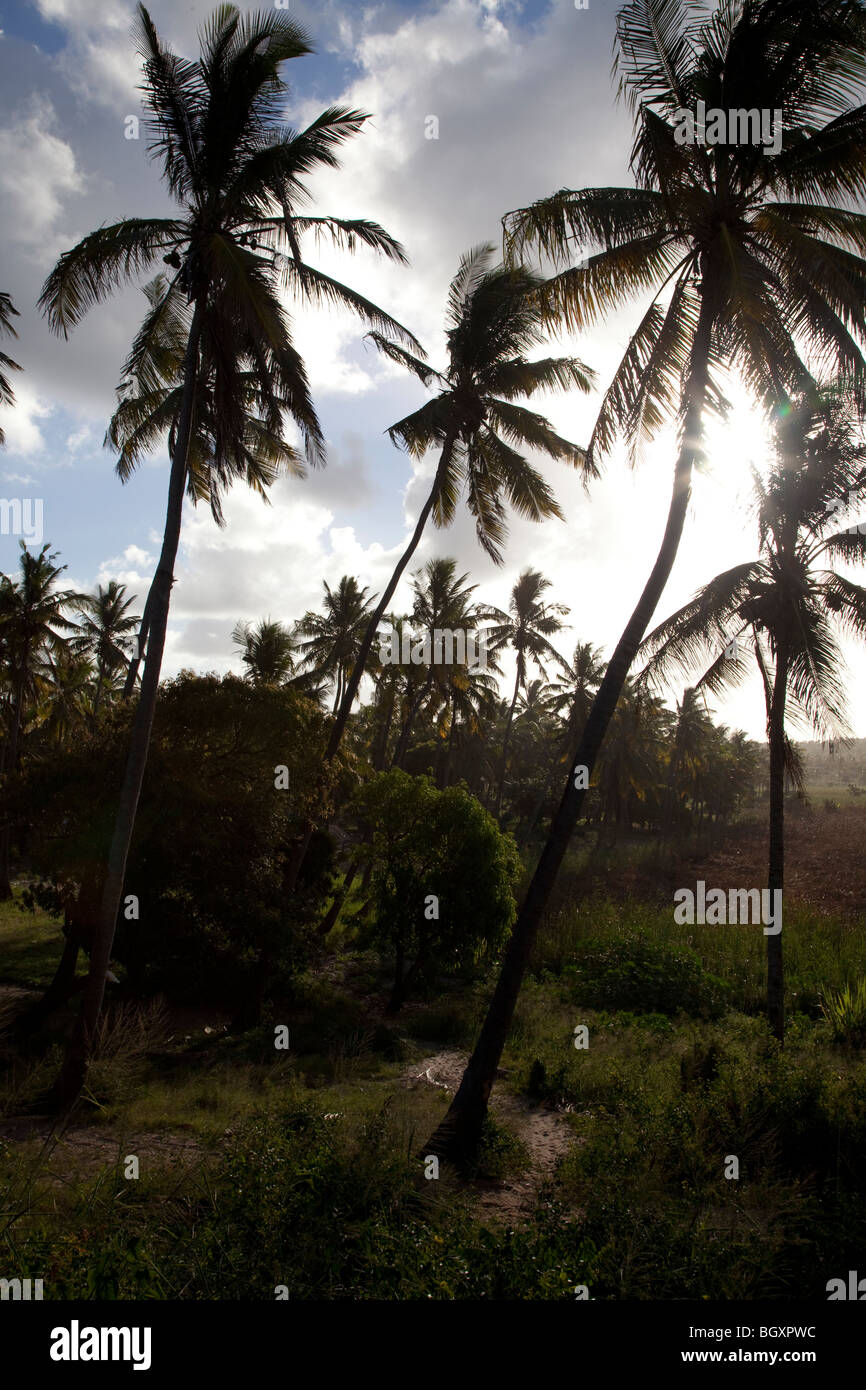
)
(376, 617)
(141, 642)
(775, 974)
(559, 753)
(458, 1135)
(354, 680)
(74, 1068)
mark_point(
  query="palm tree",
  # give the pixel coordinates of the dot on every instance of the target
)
(690, 756)
(389, 692)
(782, 607)
(748, 257)
(267, 651)
(527, 627)
(630, 764)
(334, 637)
(7, 395)
(148, 409)
(574, 690)
(237, 174)
(442, 604)
(70, 695)
(470, 703)
(105, 633)
(494, 319)
(33, 630)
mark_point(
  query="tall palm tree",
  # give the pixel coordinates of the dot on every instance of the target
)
(149, 405)
(105, 631)
(494, 320)
(527, 627)
(7, 395)
(237, 174)
(389, 693)
(334, 637)
(749, 258)
(34, 628)
(782, 608)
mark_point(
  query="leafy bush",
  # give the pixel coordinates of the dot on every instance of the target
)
(213, 838)
(443, 876)
(631, 972)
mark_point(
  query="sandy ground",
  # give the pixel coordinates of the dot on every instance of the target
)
(546, 1133)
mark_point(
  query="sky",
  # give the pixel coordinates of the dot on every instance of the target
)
(525, 105)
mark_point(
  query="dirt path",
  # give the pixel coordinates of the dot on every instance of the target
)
(88, 1149)
(547, 1135)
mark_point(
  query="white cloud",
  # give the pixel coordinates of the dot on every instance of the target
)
(78, 438)
(37, 170)
(134, 567)
(20, 421)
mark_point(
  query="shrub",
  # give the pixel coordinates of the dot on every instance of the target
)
(213, 838)
(443, 876)
(631, 972)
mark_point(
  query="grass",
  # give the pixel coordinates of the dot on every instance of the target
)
(302, 1168)
(30, 945)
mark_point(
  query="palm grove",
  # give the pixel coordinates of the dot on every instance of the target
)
(425, 782)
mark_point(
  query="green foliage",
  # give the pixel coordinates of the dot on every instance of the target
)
(501, 1154)
(845, 1011)
(634, 972)
(212, 840)
(427, 844)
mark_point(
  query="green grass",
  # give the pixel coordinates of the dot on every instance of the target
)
(306, 1169)
(30, 945)
(821, 951)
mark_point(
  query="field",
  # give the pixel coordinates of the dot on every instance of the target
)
(680, 1154)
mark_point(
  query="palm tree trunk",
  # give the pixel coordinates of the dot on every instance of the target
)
(775, 972)
(406, 731)
(364, 651)
(100, 677)
(380, 749)
(559, 752)
(333, 912)
(449, 751)
(458, 1135)
(141, 640)
(506, 741)
(61, 988)
(338, 689)
(74, 1068)
(382, 606)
